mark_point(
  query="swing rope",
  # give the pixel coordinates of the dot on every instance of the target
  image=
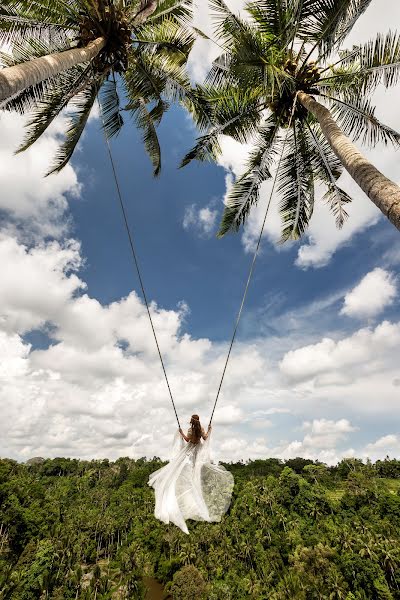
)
(136, 262)
(253, 262)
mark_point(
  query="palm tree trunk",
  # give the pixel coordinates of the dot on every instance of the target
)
(146, 9)
(14, 80)
(382, 191)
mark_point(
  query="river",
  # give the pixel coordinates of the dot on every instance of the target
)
(155, 590)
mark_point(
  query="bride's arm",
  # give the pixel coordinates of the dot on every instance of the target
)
(205, 435)
(183, 435)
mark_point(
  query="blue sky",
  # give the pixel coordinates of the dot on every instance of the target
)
(315, 369)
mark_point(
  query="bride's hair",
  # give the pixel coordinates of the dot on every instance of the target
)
(195, 429)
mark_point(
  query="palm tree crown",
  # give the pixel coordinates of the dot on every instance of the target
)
(140, 48)
(284, 52)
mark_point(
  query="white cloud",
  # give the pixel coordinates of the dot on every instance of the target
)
(86, 380)
(323, 433)
(323, 238)
(320, 442)
(360, 352)
(27, 274)
(229, 414)
(205, 51)
(26, 196)
(371, 296)
(90, 395)
(201, 220)
(387, 445)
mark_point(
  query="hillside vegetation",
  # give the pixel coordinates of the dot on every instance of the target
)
(74, 529)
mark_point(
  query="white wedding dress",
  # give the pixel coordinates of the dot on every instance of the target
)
(191, 486)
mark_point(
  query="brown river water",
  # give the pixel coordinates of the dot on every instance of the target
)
(155, 590)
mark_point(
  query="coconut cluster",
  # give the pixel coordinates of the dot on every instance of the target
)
(114, 24)
(304, 78)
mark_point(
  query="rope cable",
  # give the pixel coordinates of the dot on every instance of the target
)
(252, 264)
(136, 262)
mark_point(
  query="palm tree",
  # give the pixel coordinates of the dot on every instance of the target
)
(263, 89)
(64, 52)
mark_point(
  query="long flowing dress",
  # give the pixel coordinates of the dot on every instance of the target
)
(191, 486)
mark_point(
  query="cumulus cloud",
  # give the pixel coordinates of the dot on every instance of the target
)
(26, 196)
(320, 442)
(365, 349)
(200, 220)
(100, 372)
(371, 296)
(98, 390)
(323, 238)
(205, 51)
(323, 433)
(387, 445)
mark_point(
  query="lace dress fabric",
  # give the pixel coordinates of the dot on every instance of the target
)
(191, 486)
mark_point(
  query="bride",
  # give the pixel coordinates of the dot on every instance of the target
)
(191, 486)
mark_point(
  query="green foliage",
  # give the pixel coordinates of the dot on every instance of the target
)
(298, 529)
(188, 582)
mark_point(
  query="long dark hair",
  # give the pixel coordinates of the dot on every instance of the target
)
(195, 426)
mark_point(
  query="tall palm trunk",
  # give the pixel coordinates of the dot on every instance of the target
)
(17, 78)
(381, 190)
(147, 8)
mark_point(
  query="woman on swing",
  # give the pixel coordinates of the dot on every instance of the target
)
(191, 486)
(196, 432)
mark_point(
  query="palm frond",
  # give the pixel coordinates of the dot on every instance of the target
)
(52, 102)
(110, 108)
(296, 186)
(60, 12)
(244, 192)
(220, 74)
(327, 168)
(146, 125)
(198, 104)
(15, 29)
(206, 148)
(329, 21)
(255, 60)
(158, 110)
(83, 104)
(227, 24)
(379, 61)
(270, 17)
(232, 112)
(166, 37)
(367, 66)
(142, 80)
(29, 98)
(177, 10)
(355, 9)
(278, 20)
(357, 119)
(151, 76)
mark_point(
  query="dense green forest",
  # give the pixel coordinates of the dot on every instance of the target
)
(295, 529)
